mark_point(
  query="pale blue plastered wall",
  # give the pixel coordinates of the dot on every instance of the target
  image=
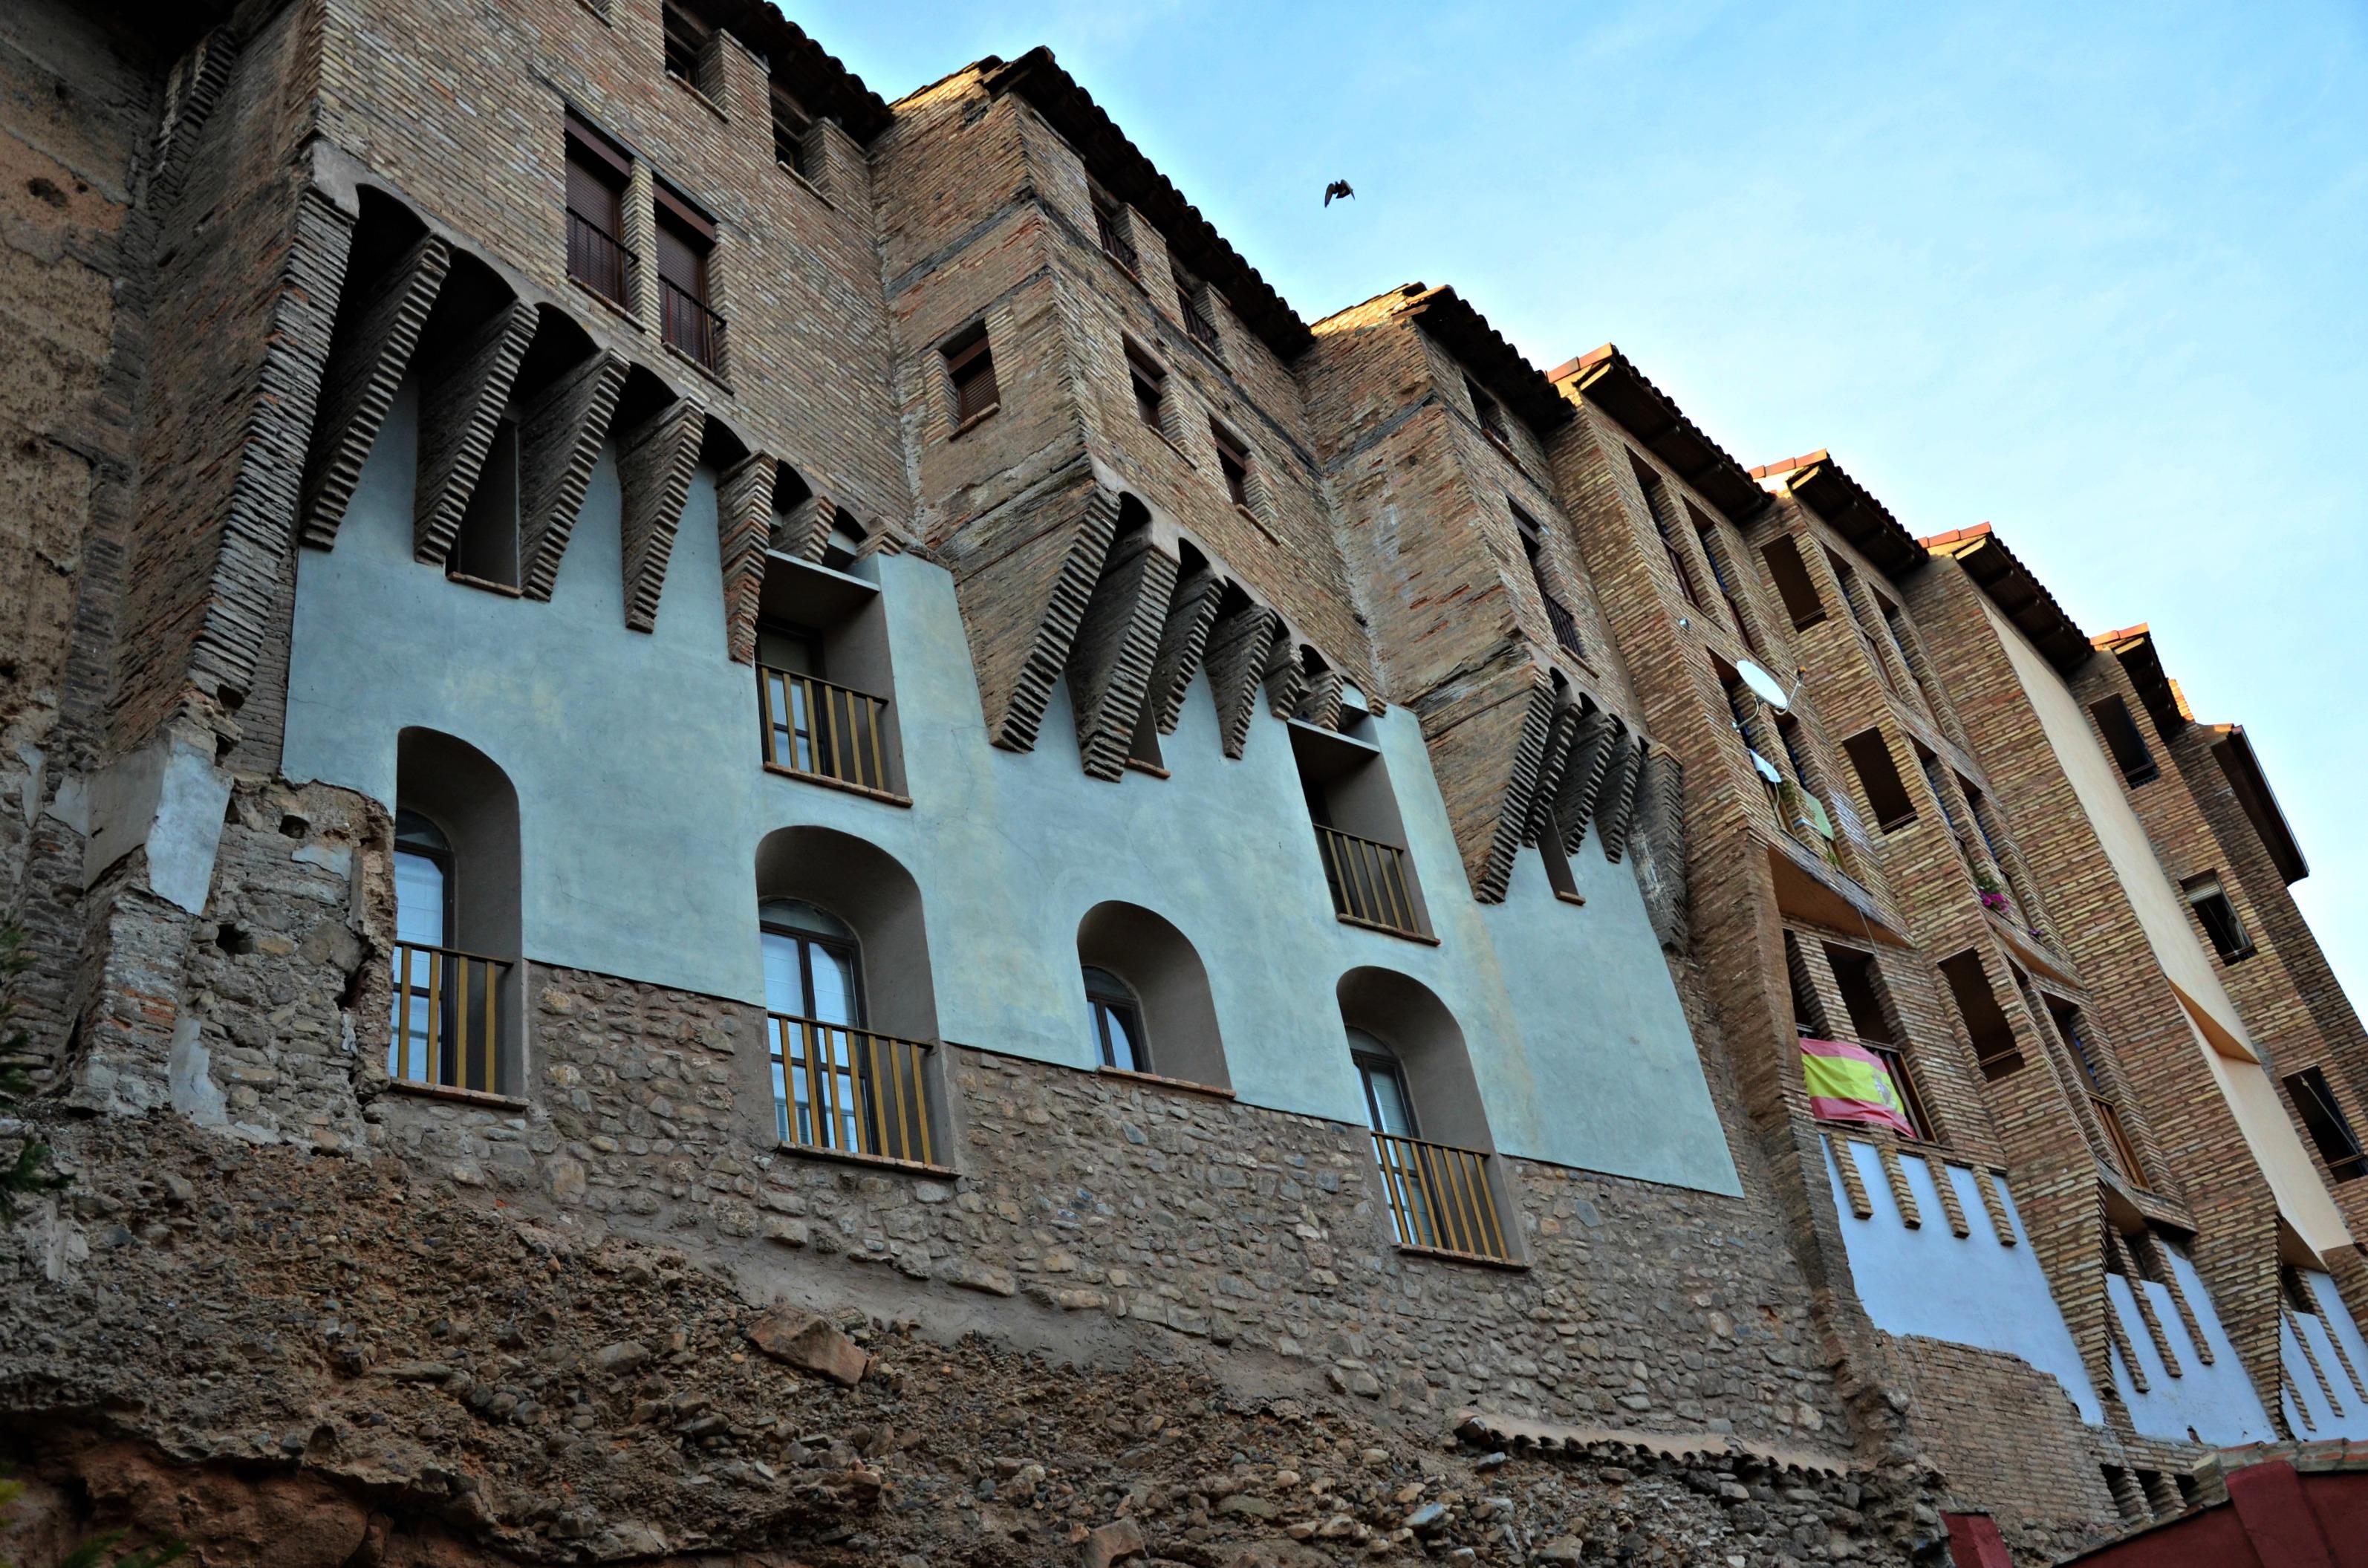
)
(643, 802)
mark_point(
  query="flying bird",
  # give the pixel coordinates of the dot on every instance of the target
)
(1337, 187)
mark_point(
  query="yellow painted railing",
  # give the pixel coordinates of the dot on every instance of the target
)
(1368, 881)
(1439, 1197)
(447, 1019)
(820, 730)
(850, 1090)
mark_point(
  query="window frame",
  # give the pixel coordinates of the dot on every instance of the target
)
(787, 111)
(958, 354)
(1145, 374)
(1118, 999)
(2309, 1087)
(2206, 889)
(1232, 465)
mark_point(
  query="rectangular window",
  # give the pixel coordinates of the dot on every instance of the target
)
(790, 127)
(1196, 320)
(1986, 1021)
(1150, 389)
(2123, 739)
(1713, 548)
(1870, 755)
(970, 366)
(1872, 1022)
(1488, 412)
(686, 240)
(597, 175)
(1558, 617)
(1109, 227)
(2329, 1126)
(1657, 502)
(1791, 575)
(1234, 462)
(2209, 902)
(688, 48)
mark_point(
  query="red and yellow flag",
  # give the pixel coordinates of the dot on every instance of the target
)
(1849, 1083)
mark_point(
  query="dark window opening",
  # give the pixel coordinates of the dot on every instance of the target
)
(970, 366)
(1808, 1014)
(1657, 504)
(791, 128)
(1488, 412)
(486, 550)
(1359, 833)
(685, 244)
(1118, 1022)
(2209, 902)
(823, 679)
(2328, 1126)
(1713, 548)
(1870, 755)
(1198, 323)
(1995, 1048)
(1846, 577)
(2123, 739)
(1872, 1021)
(1563, 625)
(1109, 226)
(1791, 575)
(1150, 389)
(597, 175)
(1234, 463)
(690, 49)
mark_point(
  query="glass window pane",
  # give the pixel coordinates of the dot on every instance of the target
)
(834, 984)
(419, 900)
(1118, 1038)
(784, 989)
(1386, 1101)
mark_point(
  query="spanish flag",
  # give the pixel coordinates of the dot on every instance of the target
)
(1849, 1083)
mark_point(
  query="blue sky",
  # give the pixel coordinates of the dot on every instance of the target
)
(2097, 274)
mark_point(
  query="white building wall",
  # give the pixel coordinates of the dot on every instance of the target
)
(2214, 1401)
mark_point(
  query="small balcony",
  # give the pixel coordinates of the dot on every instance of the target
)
(846, 1091)
(816, 729)
(598, 260)
(1368, 882)
(1113, 237)
(1440, 1199)
(692, 329)
(447, 1019)
(1565, 627)
(1197, 323)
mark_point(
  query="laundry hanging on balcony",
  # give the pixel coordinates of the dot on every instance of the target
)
(1849, 1083)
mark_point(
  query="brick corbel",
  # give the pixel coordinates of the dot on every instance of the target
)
(560, 432)
(1321, 698)
(655, 462)
(1114, 648)
(1618, 803)
(1552, 766)
(743, 521)
(805, 529)
(1191, 611)
(1582, 777)
(367, 362)
(1285, 681)
(460, 406)
(1239, 647)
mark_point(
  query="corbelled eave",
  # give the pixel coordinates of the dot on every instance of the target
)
(1482, 350)
(1849, 508)
(2134, 646)
(2251, 787)
(1133, 178)
(2016, 591)
(1606, 380)
(813, 76)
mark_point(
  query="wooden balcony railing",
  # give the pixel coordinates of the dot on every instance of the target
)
(692, 329)
(447, 1019)
(823, 730)
(2124, 1154)
(1439, 1197)
(597, 259)
(1121, 249)
(849, 1091)
(1197, 323)
(1368, 881)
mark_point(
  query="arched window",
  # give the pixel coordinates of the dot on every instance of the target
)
(1147, 997)
(851, 1017)
(1431, 1148)
(454, 1015)
(1118, 1022)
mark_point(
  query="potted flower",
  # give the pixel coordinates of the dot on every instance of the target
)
(1993, 896)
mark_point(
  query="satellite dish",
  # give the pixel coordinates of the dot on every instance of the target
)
(1770, 690)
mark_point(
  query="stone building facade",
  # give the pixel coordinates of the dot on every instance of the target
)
(754, 826)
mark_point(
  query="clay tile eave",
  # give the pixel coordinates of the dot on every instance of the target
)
(1492, 362)
(2011, 585)
(1825, 488)
(1608, 379)
(814, 76)
(2250, 785)
(2142, 662)
(1133, 178)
